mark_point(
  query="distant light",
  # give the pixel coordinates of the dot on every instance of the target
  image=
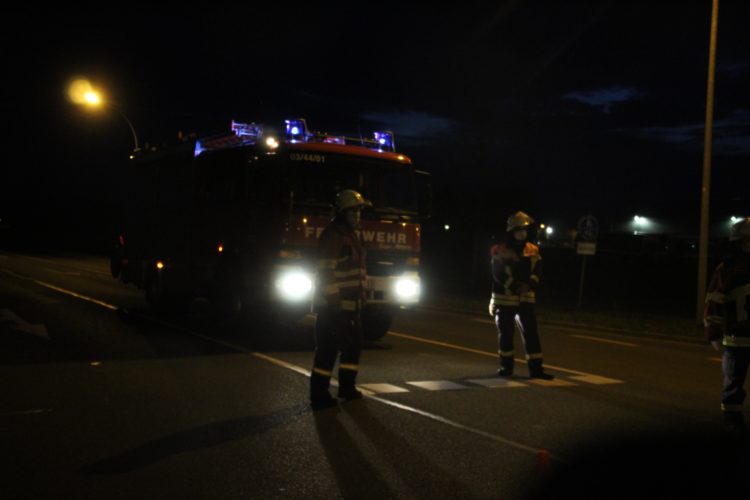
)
(447, 227)
(160, 265)
(542, 226)
(549, 230)
(272, 143)
(304, 220)
(735, 220)
(221, 248)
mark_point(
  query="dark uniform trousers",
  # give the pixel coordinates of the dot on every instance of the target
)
(735, 363)
(505, 319)
(336, 331)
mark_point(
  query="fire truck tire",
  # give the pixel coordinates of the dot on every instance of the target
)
(155, 292)
(375, 325)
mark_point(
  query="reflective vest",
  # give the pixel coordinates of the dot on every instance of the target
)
(341, 276)
(727, 310)
(513, 268)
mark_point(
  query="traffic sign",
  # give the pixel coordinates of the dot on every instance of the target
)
(588, 228)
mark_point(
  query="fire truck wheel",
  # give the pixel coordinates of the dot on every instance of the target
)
(375, 325)
(155, 293)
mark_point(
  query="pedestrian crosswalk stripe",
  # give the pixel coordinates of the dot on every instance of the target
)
(438, 385)
(496, 382)
(558, 382)
(489, 383)
(596, 379)
(383, 388)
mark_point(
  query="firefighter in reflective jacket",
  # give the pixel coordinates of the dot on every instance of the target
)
(516, 270)
(727, 322)
(340, 292)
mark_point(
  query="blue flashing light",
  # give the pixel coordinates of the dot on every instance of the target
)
(252, 130)
(198, 149)
(296, 129)
(385, 140)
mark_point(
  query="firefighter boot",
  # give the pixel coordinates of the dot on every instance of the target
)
(734, 421)
(347, 388)
(506, 366)
(320, 398)
(536, 370)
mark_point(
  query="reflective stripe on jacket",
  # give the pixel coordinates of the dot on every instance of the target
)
(341, 275)
(727, 310)
(514, 276)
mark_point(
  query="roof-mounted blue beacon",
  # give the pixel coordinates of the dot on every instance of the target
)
(296, 130)
(385, 141)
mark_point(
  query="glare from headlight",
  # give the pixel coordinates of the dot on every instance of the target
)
(294, 285)
(407, 289)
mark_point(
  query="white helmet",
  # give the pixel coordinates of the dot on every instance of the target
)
(519, 220)
(740, 230)
(348, 198)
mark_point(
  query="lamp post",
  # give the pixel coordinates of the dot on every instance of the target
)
(82, 93)
(706, 184)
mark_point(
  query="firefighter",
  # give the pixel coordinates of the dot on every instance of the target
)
(516, 269)
(340, 293)
(727, 324)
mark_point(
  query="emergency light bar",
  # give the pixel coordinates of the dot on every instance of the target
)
(385, 140)
(247, 129)
(296, 129)
(244, 134)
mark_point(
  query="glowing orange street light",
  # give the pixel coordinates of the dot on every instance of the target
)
(81, 92)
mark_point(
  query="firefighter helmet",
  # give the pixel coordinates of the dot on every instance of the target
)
(519, 220)
(740, 230)
(348, 198)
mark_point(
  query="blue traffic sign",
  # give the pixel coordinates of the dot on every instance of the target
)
(588, 228)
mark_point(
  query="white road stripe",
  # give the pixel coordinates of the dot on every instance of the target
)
(437, 385)
(77, 295)
(606, 341)
(497, 382)
(26, 412)
(303, 371)
(383, 388)
(483, 353)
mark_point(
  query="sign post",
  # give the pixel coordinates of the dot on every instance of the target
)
(588, 231)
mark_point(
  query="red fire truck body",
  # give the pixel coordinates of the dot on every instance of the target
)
(236, 218)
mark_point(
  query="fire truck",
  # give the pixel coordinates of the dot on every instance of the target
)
(235, 218)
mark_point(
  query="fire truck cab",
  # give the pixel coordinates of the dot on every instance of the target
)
(236, 218)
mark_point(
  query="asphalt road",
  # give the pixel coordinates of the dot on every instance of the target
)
(100, 398)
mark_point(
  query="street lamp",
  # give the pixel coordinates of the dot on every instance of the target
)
(82, 93)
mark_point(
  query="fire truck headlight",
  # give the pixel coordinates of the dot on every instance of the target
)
(294, 285)
(407, 289)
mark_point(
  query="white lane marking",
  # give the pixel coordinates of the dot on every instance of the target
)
(383, 388)
(57, 263)
(303, 371)
(596, 379)
(77, 295)
(477, 351)
(486, 435)
(19, 324)
(606, 341)
(496, 382)
(558, 382)
(437, 385)
(26, 412)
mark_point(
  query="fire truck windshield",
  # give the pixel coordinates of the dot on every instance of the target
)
(391, 189)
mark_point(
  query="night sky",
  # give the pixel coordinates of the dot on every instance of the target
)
(556, 108)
